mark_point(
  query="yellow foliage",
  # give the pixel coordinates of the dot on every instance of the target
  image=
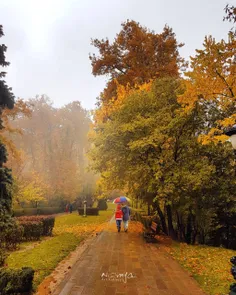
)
(122, 92)
(31, 189)
(21, 109)
(212, 80)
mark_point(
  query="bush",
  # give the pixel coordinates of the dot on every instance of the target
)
(14, 237)
(48, 224)
(16, 282)
(3, 257)
(37, 226)
(89, 211)
(11, 236)
(102, 204)
(33, 230)
(50, 210)
(37, 211)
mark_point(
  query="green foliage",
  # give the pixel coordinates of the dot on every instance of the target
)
(6, 101)
(3, 257)
(150, 147)
(89, 211)
(36, 226)
(33, 230)
(6, 96)
(37, 211)
(102, 204)
(11, 236)
(16, 282)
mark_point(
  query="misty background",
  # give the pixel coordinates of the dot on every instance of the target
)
(49, 41)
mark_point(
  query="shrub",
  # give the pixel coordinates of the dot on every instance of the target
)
(50, 210)
(102, 204)
(37, 211)
(48, 225)
(33, 230)
(16, 281)
(3, 256)
(14, 236)
(37, 226)
(89, 211)
(11, 236)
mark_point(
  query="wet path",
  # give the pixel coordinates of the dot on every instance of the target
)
(122, 263)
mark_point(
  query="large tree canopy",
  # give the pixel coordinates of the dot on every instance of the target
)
(150, 125)
(136, 55)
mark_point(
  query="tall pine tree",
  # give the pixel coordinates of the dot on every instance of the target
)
(6, 101)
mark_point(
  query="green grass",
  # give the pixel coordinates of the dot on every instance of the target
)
(75, 219)
(210, 266)
(43, 257)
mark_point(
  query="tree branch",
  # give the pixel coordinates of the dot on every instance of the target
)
(223, 79)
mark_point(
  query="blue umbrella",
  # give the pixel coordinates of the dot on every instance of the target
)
(121, 200)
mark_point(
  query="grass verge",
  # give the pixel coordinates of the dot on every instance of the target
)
(44, 257)
(68, 232)
(210, 266)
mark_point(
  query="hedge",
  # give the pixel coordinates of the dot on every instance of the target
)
(37, 211)
(16, 282)
(89, 211)
(11, 237)
(36, 226)
(102, 204)
(33, 230)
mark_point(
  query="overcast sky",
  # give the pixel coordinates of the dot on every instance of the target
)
(49, 40)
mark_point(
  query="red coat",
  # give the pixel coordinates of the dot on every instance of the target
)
(118, 215)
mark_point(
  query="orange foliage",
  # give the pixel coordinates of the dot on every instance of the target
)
(136, 56)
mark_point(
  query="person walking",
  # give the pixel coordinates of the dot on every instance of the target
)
(118, 217)
(71, 208)
(126, 216)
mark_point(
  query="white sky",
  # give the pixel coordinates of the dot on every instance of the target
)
(49, 40)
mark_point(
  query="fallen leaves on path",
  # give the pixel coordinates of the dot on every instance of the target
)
(134, 227)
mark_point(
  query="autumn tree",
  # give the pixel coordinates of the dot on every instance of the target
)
(52, 143)
(211, 82)
(6, 101)
(150, 149)
(136, 56)
(158, 136)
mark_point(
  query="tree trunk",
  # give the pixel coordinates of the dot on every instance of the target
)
(181, 228)
(195, 230)
(189, 229)
(171, 230)
(162, 218)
